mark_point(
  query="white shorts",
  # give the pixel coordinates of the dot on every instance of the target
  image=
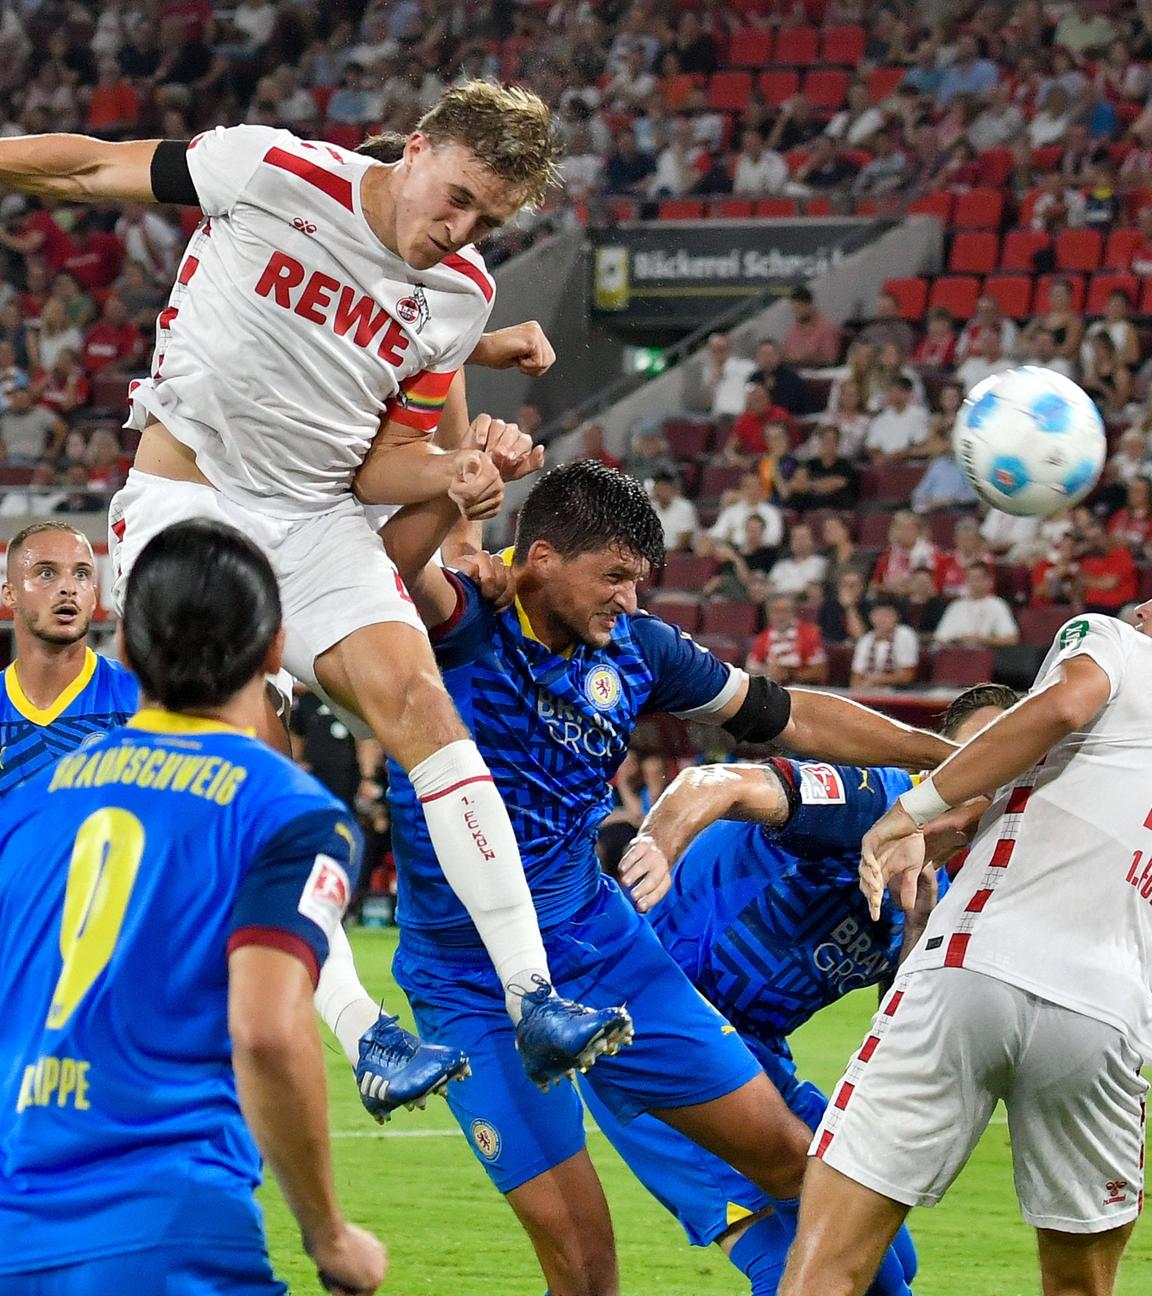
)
(945, 1047)
(334, 574)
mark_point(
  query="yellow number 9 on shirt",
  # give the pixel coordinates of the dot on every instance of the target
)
(105, 858)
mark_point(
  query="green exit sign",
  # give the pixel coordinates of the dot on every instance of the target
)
(648, 361)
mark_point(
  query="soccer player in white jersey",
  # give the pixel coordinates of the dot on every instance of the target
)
(322, 308)
(1031, 985)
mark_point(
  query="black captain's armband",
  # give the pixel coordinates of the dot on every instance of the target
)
(171, 179)
(763, 714)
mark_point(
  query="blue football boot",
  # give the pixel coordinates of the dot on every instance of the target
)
(556, 1037)
(398, 1070)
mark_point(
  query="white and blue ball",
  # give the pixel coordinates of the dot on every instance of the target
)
(1030, 441)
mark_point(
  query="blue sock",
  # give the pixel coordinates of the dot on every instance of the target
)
(889, 1280)
(760, 1252)
(903, 1246)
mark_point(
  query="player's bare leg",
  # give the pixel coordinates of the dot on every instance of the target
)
(386, 673)
(1081, 1264)
(753, 1130)
(565, 1214)
(844, 1231)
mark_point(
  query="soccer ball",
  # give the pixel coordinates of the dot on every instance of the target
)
(1030, 441)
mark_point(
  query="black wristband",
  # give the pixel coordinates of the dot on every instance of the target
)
(171, 179)
(764, 712)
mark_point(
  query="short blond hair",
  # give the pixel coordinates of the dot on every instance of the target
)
(507, 127)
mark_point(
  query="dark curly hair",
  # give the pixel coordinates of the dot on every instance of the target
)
(584, 506)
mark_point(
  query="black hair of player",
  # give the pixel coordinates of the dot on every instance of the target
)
(975, 699)
(201, 610)
(388, 146)
(585, 506)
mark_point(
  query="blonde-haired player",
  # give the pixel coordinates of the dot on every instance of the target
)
(1031, 985)
(321, 311)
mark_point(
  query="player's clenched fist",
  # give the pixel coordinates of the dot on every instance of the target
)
(351, 1263)
(521, 346)
(477, 486)
(645, 873)
(512, 451)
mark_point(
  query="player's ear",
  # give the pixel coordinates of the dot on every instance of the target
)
(542, 555)
(274, 657)
(9, 594)
(415, 144)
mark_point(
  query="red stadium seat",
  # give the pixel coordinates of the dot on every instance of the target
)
(686, 440)
(729, 91)
(1119, 248)
(682, 209)
(874, 528)
(843, 45)
(1146, 298)
(818, 206)
(1020, 246)
(892, 483)
(911, 296)
(718, 478)
(735, 620)
(1046, 157)
(778, 84)
(933, 204)
(728, 650)
(962, 667)
(956, 292)
(996, 165)
(826, 87)
(1012, 292)
(342, 136)
(1038, 625)
(777, 207)
(1041, 302)
(797, 47)
(839, 664)
(1079, 249)
(733, 208)
(974, 252)
(680, 609)
(883, 81)
(750, 48)
(684, 571)
(979, 209)
(1100, 285)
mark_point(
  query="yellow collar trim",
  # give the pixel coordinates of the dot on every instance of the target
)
(64, 699)
(526, 625)
(157, 720)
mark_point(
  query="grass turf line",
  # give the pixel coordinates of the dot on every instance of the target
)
(449, 1232)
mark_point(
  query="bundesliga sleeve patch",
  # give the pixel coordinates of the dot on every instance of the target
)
(420, 401)
(821, 785)
(325, 895)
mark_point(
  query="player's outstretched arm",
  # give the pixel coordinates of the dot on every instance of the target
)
(1000, 753)
(78, 168)
(279, 1069)
(695, 799)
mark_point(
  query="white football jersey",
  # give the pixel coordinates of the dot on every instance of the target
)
(292, 331)
(1056, 893)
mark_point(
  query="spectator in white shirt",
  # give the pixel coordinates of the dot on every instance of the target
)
(988, 319)
(675, 163)
(677, 515)
(723, 378)
(1044, 355)
(858, 121)
(1015, 539)
(900, 428)
(759, 169)
(582, 165)
(729, 526)
(986, 359)
(1059, 205)
(804, 570)
(887, 656)
(980, 618)
(1051, 123)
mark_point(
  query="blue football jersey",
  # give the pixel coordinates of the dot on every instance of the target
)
(101, 697)
(771, 936)
(127, 874)
(553, 730)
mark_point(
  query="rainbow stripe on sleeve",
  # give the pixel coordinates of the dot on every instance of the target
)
(420, 400)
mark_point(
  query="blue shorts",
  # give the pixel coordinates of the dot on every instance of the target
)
(684, 1053)
(187, 1269)
(835, 805)
(706, 1195)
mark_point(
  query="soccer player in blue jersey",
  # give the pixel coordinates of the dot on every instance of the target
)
(764, 913)
(552, 688)
(57, 691)
(175, 852)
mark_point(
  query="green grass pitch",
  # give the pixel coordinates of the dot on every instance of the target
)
(449, 1232)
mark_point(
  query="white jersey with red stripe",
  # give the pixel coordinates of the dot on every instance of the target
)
(1056, 893)
(292, 331)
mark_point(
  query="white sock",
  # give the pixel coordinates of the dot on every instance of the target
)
(346, 1008)
(473, 839)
